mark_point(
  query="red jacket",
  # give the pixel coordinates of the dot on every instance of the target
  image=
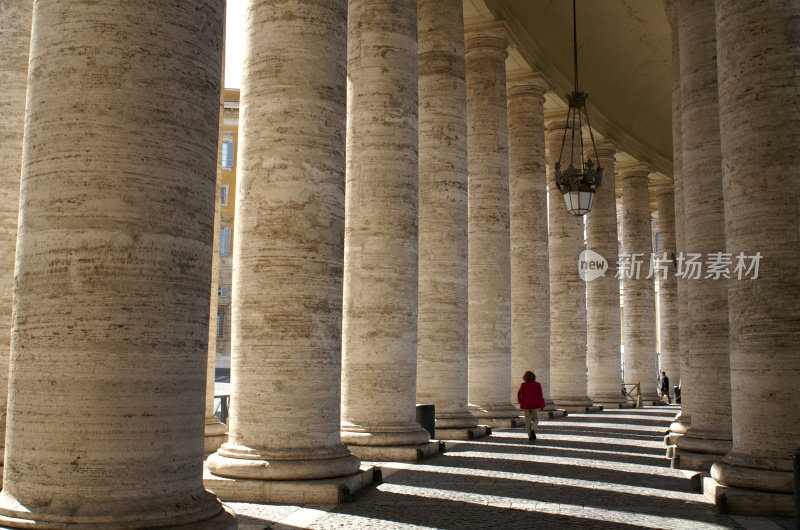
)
(530, 396)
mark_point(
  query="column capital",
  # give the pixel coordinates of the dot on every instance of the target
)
(554, 121)
(493, 35)
(606, 148)
(633, 170)
(529, 84)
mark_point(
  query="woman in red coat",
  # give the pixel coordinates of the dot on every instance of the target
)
(531, 402)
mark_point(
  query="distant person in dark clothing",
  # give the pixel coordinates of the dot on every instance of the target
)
(665, 387)
(531, 401)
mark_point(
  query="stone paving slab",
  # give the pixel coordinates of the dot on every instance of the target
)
(604, 470)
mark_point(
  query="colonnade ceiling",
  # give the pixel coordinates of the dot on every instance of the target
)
(624, 55)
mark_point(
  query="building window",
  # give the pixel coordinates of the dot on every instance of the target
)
(220, 322)
(228, 154)
(223, 195)
(225, 241)
(223, 291)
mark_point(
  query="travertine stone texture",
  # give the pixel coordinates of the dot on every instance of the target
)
(107, 373)
(639, 316)
(530, 280)
(568, 368)
(286, 310)
(489, 245)
(668, 287)
(683, 420)
(379, 356)
(215, 431)
(707, 298)
(15, 37)
(442, 312)
(602, 294)
(761, 182)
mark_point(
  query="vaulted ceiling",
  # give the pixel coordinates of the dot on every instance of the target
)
(624, 56)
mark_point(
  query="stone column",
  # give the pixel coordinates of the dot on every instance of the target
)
(285, 345)
(759, 131)
(216, 431)
(668, 287)
(682, 421)
(638, 295)
(602, 293)
(379, 357)
(442, 313)
(489, 245)
(15, 38)
(709, 436)
(110, 312)
(568, 368)
(530, 273)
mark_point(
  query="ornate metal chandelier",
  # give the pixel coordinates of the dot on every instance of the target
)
(580, 180)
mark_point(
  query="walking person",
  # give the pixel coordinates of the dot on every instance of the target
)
(531, 401)
(665, 387)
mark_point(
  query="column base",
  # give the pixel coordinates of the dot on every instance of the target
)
(550, 414)
(499, 416)
(581, 409)
(747, 502)
(216, 434)
(615, 404)
(682, 459)
(323, 491)
(470, 433)
(209, 515)
(697, 453)
(397, 453)
(455, 421)
(671, 438)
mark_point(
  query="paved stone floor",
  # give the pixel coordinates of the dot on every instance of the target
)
(604, 470)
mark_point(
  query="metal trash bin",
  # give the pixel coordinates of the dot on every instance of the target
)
(426, 417)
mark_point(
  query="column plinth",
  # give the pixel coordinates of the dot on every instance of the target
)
(758, 137)
(379, 357)
(108, 366)
(489, 244)
(287, 252)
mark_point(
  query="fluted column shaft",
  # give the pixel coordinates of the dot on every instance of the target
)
(682, 421)
(638, 295)
(668, 287)
(107, 386)
(602, 294)
(489, 244)
(530, 278)
(760, 130)
(285, 344)
(568, 369)
(442, 313)
(707, 297)
(379, 364)
(15, 38)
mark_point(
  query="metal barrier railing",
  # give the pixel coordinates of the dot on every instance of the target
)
(221, 409)
(633, 393)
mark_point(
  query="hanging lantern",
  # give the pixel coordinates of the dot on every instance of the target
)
(580, 180)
